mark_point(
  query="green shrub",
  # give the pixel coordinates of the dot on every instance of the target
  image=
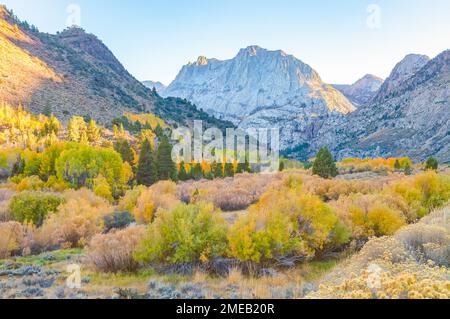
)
(81, 165)
(284, 223)
(33, 207)
(189, 233)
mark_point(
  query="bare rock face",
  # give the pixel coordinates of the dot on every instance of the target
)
(404, 70)
(261, 88)
(363, 90)
(253, 83)
(413, 120)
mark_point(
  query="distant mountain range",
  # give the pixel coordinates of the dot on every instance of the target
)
(257, 87)
(363, 90)
(159, 87)
(407, 114)
(74, 73)
(410, 115)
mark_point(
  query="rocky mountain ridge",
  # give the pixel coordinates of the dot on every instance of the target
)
(363, 90)
(256, 82)
(74, 73)
(413, 120)
(406, 115)
(160, 87)
(404, 70)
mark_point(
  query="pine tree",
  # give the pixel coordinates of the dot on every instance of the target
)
(243, 167)
(147, 173)
(217, 170)
(324, 166)
(166, 167)
(159, 131)
(229, 170)
(182, 174)
(240, 168)
(197, 172)
(407, 169)
(247, 166)
(281, 167)
(431, 164)
(123, 147)
(209, 176)
(397, 165)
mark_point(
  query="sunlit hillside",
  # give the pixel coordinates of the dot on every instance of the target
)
(21, 73)
(74, 73)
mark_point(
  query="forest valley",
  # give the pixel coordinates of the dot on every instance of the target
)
(142, 225)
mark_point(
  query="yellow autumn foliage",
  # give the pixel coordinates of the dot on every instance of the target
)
(161, 195)
(412, 264)
(284, 222)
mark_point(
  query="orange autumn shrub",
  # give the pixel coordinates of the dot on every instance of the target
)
(368, 215)
(129, 201)
(11, 237)
(76, 221)
(423, 192)
(113, 252)
(332, 189)
(379, 165)
(228, 194)
(161, 195)
(412, 264)
(285, 222)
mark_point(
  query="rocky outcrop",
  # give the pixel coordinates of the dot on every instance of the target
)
(257, 86)
(159, 87)
(262, 89)
(403, 71)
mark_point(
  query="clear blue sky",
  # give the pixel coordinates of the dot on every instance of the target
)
(154, 38)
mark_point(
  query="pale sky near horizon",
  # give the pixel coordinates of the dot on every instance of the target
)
(342, 40)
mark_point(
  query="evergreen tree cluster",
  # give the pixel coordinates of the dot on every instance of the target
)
(197, 171)
(155, 165)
